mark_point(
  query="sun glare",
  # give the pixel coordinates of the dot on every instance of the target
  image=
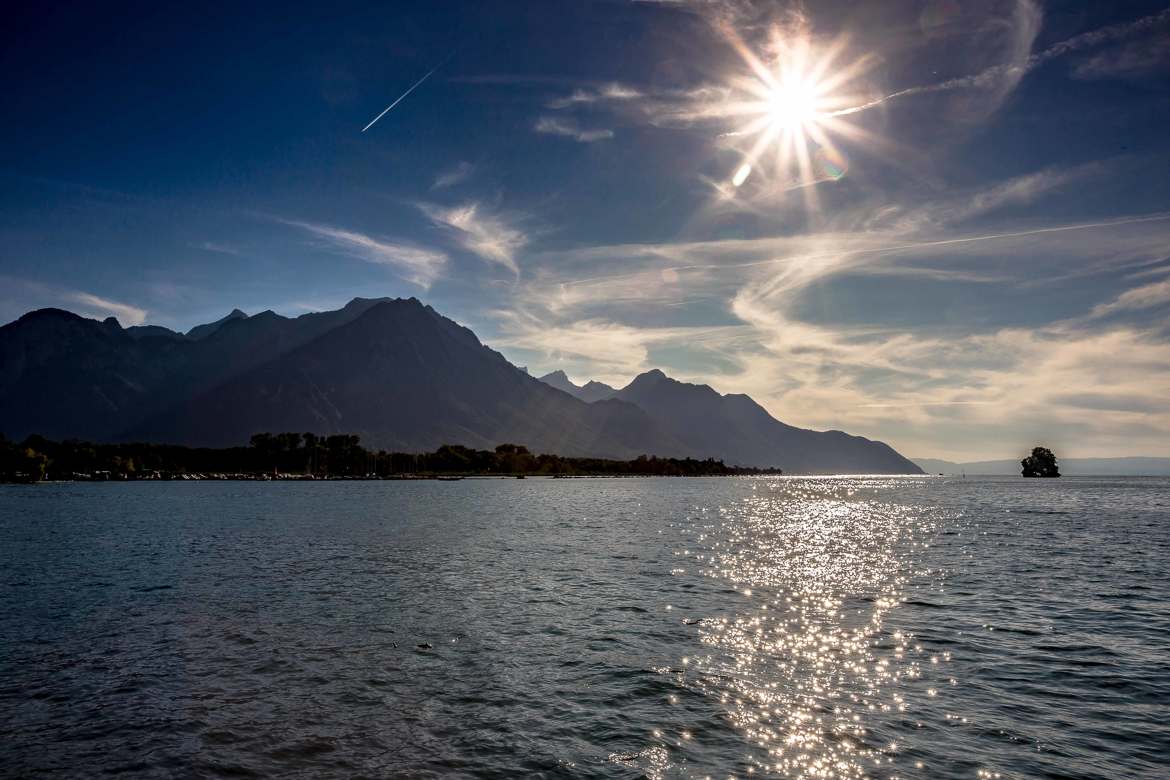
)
(792, 106)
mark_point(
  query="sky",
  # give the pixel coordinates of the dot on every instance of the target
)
(942, 224)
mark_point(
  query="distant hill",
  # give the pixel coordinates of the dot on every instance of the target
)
(1073, 467)
(395, 372)
(589, 392)
(203, 331)
(738, 430)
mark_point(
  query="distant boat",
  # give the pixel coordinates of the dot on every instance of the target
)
(449, 479)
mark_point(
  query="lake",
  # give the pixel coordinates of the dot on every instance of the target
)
(722, 627)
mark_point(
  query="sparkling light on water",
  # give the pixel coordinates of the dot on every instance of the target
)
(803, 660)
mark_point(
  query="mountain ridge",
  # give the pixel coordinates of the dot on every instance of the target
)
(589, 392)
(394, 371)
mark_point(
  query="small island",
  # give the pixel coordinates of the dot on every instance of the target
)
(1041, 463)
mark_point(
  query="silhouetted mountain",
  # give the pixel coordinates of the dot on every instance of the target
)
(394, 371)
(560, 380)
(153, 332)
(738, 430)
(65, 376)
(203, 331)
(62, 375)
(589, 392)
(404, 377)
(596, 391)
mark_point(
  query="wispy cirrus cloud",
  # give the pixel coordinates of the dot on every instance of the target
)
(1146, 296)
(1139, 58)
(957, 207)
(614, 91)
(24, 294)
(489, 236)
(457, 174)
(220, 248)
(570, 129)
(1018, 28)
(124, 312)
(415, 264)
(607, 312)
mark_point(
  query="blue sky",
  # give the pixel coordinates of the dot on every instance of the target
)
(975, 256)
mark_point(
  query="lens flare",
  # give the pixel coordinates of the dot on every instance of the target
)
(741, 175)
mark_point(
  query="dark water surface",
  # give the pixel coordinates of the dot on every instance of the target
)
(753, 627)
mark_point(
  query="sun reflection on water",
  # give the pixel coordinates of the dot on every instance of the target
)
(803, 662)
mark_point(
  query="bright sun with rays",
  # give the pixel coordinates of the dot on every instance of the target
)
(794, 104)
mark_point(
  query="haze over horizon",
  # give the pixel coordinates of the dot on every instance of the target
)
(948, 228)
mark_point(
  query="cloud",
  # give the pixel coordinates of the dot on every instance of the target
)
(488, 236)
(1145, 297)
(569, 129)
(609, 92)
(711, 103)
(1003, 77)
(1139, 58)
(220, 248)
(957, 208)
(415, 264)
(605, 350)
(453, 176)
(18, 296)
(966, 389)
(126, 314)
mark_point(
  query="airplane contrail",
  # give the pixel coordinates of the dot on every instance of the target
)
(402, 97)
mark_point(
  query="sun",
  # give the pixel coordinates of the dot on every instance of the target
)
(792, 104)
(791, 108)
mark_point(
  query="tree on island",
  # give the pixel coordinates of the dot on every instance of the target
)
(1041, 463)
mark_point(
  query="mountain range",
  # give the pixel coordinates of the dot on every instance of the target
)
(393, 371)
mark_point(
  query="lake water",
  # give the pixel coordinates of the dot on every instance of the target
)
(734, 627)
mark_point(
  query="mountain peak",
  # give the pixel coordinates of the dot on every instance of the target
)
(49, 313)
(648, 379)
(203, 331)
(560, 380)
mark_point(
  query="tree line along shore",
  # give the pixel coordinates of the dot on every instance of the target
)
(303, 456)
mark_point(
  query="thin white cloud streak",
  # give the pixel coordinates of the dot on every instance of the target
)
(18, 296)
(220, 248)
(1144, 297)
(452, 176)
(609, 92)
(124, 312)
(956, 209)
(567, 128)
(415, 264)
(811, 254)
(488, 236)
(1134, 59)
